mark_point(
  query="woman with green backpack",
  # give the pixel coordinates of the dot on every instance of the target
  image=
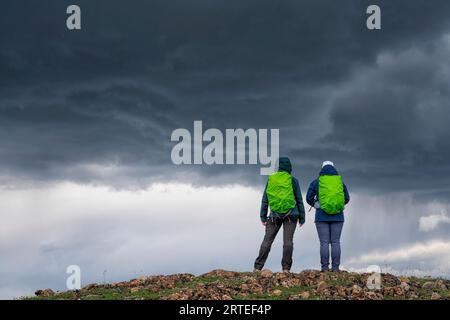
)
(284, 198)
(329, 195)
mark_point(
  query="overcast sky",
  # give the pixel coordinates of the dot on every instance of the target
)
(86, 117)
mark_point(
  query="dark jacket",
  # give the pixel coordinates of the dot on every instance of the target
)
(313, 195)
(299, 210)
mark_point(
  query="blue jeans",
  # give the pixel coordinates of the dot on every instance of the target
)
(330, 233)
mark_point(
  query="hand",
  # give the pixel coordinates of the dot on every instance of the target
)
(300, 225)
(264, 223)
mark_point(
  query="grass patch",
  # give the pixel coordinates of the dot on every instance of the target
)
(285, 294)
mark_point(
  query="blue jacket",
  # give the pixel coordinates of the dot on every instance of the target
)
(299, 210)
(313, 195)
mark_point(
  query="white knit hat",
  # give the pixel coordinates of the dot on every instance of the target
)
(327, 163)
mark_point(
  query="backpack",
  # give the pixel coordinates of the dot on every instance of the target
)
(280, 192)
(331, 194)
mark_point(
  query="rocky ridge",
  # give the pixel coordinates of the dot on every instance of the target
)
(229, 285)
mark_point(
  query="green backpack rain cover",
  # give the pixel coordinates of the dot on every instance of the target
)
(331, 194)
(280, 193)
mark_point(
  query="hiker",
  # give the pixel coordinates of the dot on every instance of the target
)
(282, 194)
(328, 195)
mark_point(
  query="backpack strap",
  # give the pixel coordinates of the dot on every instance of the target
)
(281, 217)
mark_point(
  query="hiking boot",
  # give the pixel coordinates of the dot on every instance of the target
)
(325, 270)
(256, 270)
(286, 271)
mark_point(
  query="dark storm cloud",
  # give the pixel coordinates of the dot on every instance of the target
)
(388, 125)
(99, 105)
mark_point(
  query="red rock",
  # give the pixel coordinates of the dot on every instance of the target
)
(435, 296)
(44, 293)
(321, 286)
(277, 293)
(266, 273)
(304, 295)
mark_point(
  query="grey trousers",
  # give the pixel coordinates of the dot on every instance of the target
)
(330, 234)
(272, 228)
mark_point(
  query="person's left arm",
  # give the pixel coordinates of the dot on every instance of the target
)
(264, 207)
(312, 193)
(346, 194)
(299, 201)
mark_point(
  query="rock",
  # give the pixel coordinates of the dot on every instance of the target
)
(321, 286)
(281, 275)
(44, 293)
(404, 279)
(412, 295)
(308, 282)
(201, 290)
(266, 273)
(405, 286)
(144, 278)
(181, 295)
(356, 291)
(370, 295)
(135, 282)
(244, 287)
(221, 273)
(94, 286)
(388, 291)
(117, 285)
(304, 295)
(398, 291)
(135, 289)
(256, 288)
(435, 296)
(428, 285)
(277, 293)
(341, 291)
(295, 282)
(326, 293)
(441, 285)
(287, 283)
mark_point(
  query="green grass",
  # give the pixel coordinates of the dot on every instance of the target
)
(214, 279)
(333, 280)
